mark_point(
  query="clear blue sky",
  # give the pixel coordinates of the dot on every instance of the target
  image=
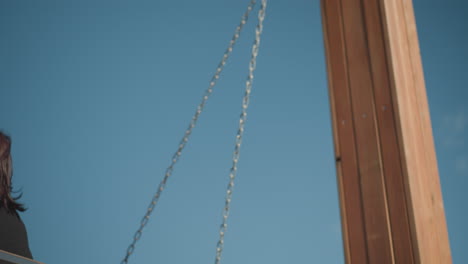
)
(96, 95)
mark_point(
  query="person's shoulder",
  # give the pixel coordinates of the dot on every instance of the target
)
(13, 235)
(5, 213)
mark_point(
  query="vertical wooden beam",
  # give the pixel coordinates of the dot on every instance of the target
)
(391, 202)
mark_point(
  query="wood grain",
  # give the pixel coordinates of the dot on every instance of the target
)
(390, 198)
(417, 149)
(345, 151)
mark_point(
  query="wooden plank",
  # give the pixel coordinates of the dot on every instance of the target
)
(353, 108)
(419, 161)
(345, 149)
(6, 257)
(394, 182)
(391, 204)
(369, 156)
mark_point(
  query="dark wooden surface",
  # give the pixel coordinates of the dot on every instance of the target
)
(391, 203)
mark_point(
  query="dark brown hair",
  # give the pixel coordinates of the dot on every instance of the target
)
(7, 201)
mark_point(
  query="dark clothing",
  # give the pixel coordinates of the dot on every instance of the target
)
(13, 236)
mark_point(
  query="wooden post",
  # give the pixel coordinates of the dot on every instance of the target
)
(391, 202)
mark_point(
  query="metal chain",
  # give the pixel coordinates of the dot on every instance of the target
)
(240, 131)
(188, 132)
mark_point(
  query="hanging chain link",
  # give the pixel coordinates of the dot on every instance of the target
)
(240, 131)
(188, 132)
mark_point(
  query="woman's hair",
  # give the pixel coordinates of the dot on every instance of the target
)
(7, 201)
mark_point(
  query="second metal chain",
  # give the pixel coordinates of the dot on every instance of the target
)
(240, 131)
